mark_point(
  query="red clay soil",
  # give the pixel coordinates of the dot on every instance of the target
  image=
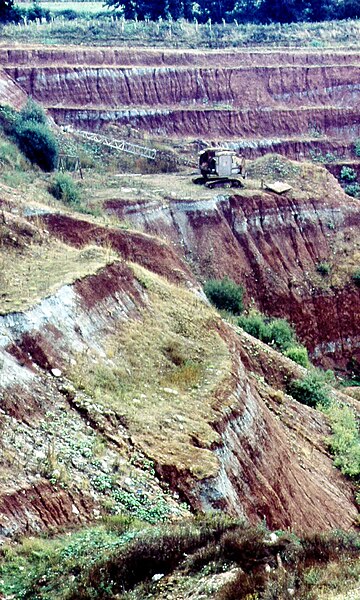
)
(39, 349)
(41, 507)
(105, 284)
(272, 245)
(225, 124)
(254, 95)
(241, 87)
(23, 404)
(147, 251)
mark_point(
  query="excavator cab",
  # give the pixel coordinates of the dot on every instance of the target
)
(218, 166)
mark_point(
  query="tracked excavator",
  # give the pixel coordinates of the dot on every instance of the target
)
(218, 168)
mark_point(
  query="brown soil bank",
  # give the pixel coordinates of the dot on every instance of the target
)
(244, 87)
(60, 55)
(221, 124)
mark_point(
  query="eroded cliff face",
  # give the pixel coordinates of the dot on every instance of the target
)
(292, 102)
(10, 92)
(234, 440)
(234, 455)
(273, 244)
(99, 56)
(287, 481)
(242, 87)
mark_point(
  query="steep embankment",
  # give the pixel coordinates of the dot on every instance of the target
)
(10, 92)
(155, 374)
(283, 100)
(274, 245)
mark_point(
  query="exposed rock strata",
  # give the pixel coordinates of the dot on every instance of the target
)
(240, 87)
(98, 56)
(10, 92)
(260, 473)
(292, 102)
(273, 245)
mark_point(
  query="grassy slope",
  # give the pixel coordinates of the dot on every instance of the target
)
(39, 271)
(161, 374)
(187, 35)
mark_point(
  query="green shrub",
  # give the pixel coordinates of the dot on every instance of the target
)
(253, 324)
(345, 440)
(37, 12)
(318, 156)
(353, 189)
(9, 13)
(312, 390)
(348, 174)
(280, 334)
(38, 144)
(225, 294)
(298, 354)
(356, 277)
(357, 147)
(31, 112)
(275, 332)
(323, 268)
(68, 14)
(8, 118)
(63, 188)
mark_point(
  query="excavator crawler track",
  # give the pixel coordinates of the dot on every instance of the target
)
(224, 182)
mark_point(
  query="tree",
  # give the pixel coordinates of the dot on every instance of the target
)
(9, 12)
(216, 10)
(349, 9)
(188, 9)
(282, 11)
(246, 11)
(177, 9)
(38, 144)
(141, 9)
(32, 112)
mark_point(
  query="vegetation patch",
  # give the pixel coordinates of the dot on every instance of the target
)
(312, 390)
(323, 268)
(29, 274)
(344, 442)
(277, 333)
(348, 180)
(241, 26)
(225, 294)
(63, 188)
(345, 439)
(274, 167)
(123, 558)
(348, 174)
(356, 277)
(162, 376)
(353, 189)
(29, 129)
